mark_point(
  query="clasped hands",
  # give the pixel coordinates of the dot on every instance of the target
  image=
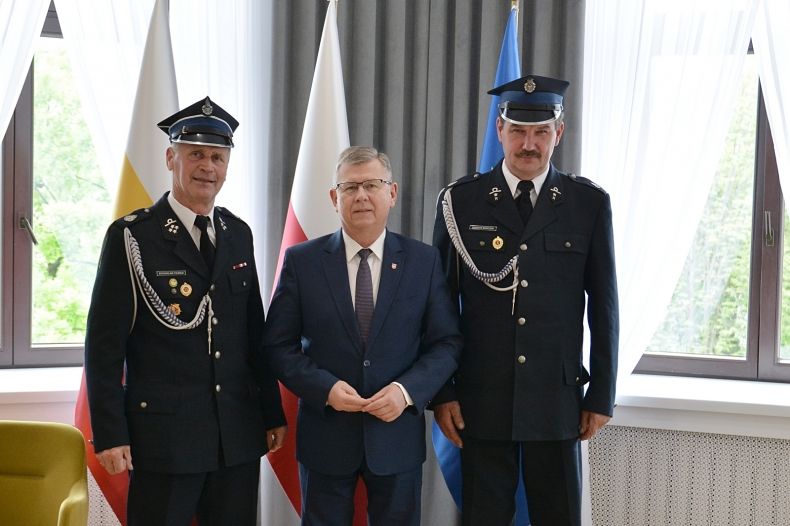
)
(386, 405)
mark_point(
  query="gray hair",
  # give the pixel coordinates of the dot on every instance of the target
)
(361, 155)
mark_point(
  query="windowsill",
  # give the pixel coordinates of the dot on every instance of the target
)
(39, 385)
(704, 405)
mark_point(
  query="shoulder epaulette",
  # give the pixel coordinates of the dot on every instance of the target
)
(134, 217)
(465, 179)
(585, 181)
(227, 213)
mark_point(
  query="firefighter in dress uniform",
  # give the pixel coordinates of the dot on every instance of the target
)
(177, 314)
(526, 249)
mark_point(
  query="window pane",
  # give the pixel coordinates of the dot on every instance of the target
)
(708, 315)
(784, 335)
(71, 205)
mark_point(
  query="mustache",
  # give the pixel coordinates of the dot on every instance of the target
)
(528, 153)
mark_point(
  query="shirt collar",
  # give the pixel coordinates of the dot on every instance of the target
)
(352, 247)
(512, 181)
(185, 215)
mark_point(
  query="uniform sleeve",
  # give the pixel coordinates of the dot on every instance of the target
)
(450, 270)
(269, 389)
(109, 322)
(602, 314)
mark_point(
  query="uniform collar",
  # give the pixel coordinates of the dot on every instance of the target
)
(512, 181)
(185, 215)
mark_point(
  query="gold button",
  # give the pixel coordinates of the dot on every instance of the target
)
(522, 321)
(143, 404)
(218, 388)
(523, 246)
(217, 355)
(524, 283)
(567, 244)
(522, 359)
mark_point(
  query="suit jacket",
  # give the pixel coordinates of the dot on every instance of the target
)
(313, 340)
(181, 400)
(521, 375)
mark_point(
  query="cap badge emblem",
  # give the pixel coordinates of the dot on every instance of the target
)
(529, 85)
(207, 109)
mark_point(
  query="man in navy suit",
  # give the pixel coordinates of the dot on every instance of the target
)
(362, 329)
(526, 249)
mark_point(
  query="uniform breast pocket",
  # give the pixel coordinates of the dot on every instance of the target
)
(240, 281)
(567, 251)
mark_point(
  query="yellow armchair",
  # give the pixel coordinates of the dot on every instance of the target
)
(43, 478)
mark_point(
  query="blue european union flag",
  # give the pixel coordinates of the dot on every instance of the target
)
(509, 68)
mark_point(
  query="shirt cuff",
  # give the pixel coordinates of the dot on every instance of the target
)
(406, 396)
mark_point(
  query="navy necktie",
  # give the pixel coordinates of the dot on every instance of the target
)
(523, 201)
(206, 246)
(363, 296)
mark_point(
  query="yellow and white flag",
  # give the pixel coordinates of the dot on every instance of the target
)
(144, 177)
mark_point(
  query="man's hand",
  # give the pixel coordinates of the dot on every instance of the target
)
(387, 404)
(116, 460)
(590, 424)
(448, 416)
(275, 438)
(343, 397)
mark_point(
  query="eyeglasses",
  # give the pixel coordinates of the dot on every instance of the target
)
(369, 186)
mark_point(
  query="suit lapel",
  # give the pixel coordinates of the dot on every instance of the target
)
(545, 213)
(391, 271)
(336, 275)
(174, 231)
(501, 202)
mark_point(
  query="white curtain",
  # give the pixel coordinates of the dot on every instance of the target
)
(661, 77)
(771, 40)
(219, 49)
(20, 25)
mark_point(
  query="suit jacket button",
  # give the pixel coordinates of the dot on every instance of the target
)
(214, 320)
(522, 321)
(143, 404)
(217, 355)
(524, 283)
(212, 287)
(567, 244)
(218, 388)
(523, 247)
(522, 359)
(366, 363)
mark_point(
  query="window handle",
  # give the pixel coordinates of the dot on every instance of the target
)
(24, 224)
(769, 230)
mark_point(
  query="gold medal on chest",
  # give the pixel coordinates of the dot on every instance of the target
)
(175, 308)
(498, 243)
(186, 289)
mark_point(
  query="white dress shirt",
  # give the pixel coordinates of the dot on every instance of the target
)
(512, 183)
(187, 217)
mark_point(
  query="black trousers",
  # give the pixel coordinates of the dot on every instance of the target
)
(552, 478)
(328, 500)
(226, 497)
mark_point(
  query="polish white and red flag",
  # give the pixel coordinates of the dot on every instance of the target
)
(311, 215)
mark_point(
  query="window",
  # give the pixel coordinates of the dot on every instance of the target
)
(730, 312)
(55, 208)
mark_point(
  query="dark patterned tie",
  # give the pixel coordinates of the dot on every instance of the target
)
(206, 246)
(363, 297)
(523, 201)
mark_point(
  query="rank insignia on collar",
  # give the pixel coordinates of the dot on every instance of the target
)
(554, 192)
(222, 223)
(172, 226)
(175, 308)
(495, 191)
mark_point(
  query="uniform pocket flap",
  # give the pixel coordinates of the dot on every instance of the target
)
(558, 242)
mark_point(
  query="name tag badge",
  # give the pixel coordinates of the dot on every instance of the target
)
(168, 273)
(483, 228)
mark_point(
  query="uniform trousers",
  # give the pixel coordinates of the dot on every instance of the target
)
(552, 477)
(328, 500)
(225, 497)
